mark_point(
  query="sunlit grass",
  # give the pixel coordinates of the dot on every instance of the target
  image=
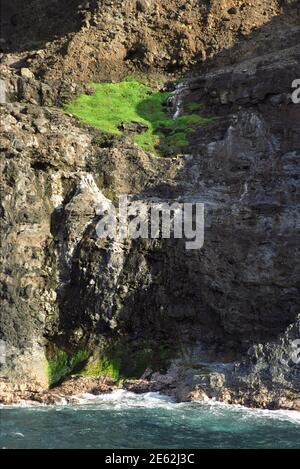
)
(131, 101)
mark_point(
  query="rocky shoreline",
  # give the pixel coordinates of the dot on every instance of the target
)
(69, 392)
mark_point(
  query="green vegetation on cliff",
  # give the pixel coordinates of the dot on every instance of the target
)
(114, 105)
(117, 361)
(101, 366)
(61, 365)
(122, 360)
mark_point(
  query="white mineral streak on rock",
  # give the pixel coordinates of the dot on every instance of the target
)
(245, 193)
(79, 212)
(56, 190)
(3, 96)
(179, 93)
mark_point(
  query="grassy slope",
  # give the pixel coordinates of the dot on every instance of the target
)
(127, 101)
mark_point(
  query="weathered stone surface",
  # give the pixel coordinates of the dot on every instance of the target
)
(222, 319)
(26, 73)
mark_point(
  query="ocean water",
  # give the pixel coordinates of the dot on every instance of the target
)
(125, 420)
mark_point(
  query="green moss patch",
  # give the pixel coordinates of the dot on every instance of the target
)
(119, 360)
(62, 364)
(128, 361)
(130, 101)
(102, 366)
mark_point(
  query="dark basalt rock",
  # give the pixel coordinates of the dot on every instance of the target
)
(133, 127)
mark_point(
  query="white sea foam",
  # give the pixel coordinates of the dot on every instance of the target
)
(247, 412)
(125, 399)
(122, 399)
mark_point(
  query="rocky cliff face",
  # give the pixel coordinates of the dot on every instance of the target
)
(222, 320)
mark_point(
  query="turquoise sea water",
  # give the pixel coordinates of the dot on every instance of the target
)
(125, 420)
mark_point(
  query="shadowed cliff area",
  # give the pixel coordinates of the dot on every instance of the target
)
(27, 26)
